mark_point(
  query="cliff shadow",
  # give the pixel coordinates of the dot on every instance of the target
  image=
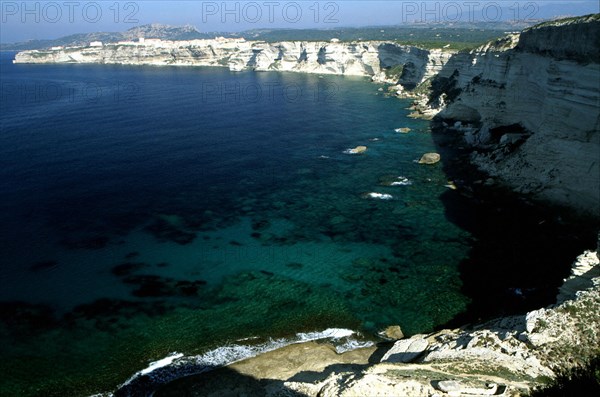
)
(227, 381)
(407, 68)
(521, 249)
(223, 382)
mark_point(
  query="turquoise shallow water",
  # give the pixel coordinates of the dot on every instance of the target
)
(171, 210)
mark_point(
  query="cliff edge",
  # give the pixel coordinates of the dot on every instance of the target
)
(383, 61)
(529, 106)
(576, 39)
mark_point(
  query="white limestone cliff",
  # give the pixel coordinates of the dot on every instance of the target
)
(529, 105)
(354, 59)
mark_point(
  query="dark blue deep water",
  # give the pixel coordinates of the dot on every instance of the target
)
(148, 210)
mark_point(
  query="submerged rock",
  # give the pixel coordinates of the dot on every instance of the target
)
(127, 268)
(430, 158)
(132, 255)
(295, 265)
(338, 220)
(21, 318)
(153, 286)
(362, 263)
(165, 231)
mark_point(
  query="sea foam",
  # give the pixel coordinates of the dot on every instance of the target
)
(161, 363)
(378, 196)
(176, 365)
(402, 181)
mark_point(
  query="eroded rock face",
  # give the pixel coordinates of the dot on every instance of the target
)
(576, 39)
(371, 58)
(528, 104)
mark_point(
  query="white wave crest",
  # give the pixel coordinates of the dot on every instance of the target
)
(161, 363)
(334, 333)
(351, 344)
(378, 196)
(402, 181)
(176, 365)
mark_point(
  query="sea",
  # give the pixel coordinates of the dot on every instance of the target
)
(154, 216)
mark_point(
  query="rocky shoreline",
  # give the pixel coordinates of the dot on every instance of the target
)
(508, 356)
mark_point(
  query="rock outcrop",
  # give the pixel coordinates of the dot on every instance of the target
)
(529, 105)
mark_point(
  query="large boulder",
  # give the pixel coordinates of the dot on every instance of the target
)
(406, 350)
(357, 150)
(430, 158)
(393, 332)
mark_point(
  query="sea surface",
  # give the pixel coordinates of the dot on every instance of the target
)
(151, 210)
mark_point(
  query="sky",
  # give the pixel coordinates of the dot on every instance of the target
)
(26, 20)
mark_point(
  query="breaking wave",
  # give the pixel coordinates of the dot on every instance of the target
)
(176, 365)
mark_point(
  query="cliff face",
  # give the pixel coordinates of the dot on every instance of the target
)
(413, 65)
(529, 105)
